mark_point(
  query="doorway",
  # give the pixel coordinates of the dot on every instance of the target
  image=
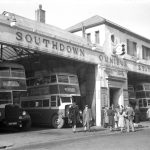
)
(114, 95)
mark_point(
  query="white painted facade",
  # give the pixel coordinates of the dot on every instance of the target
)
(106, 74)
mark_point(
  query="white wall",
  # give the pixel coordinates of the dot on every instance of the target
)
(122, 37)
(100, 28)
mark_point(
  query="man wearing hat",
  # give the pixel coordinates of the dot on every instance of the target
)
(87, 118)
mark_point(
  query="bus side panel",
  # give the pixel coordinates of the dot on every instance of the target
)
(42, 116)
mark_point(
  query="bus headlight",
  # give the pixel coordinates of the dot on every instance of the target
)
(24, 113)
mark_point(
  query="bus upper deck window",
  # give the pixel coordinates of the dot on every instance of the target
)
(53, 78)
(73, 79)
(147, 94)
(4, 71)
(17, 72)
(147, 87)
(63, 78)
(139, 87)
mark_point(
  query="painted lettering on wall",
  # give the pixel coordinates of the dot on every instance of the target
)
(112, 61)
(143, 68)
(49, 43)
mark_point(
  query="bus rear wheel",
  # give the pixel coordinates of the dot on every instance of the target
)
(57, 122)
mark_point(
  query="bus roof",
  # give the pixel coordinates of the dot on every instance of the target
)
(11, 65)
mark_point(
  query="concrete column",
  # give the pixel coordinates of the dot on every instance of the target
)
(98, 94)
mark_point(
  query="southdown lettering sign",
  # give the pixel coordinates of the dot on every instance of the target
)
(48, 43)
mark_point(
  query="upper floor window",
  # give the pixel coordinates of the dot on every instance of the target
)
(145, 52)
(89, 37)
(131, 48)
(112, 38)
(97, 40)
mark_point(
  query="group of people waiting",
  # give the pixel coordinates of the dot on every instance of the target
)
(119, 118)
(115, 118)
(76, 116)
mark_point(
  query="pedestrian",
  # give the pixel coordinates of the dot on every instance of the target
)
(116, 117)
(87, 118)
(148, 114)
(129, 119)
(121, 121)
(73, 115)
(106, 118)
(102, 116)
(110, 113)
(137, 115)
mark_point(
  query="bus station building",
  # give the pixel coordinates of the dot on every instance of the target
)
(106, 57)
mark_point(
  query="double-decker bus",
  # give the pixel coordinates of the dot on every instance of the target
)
(49, 96)
(142, 91)
(132, 96)
(12, 85)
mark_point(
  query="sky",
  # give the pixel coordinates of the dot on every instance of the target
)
(131, 14)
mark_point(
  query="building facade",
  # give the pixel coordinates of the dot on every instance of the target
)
(106, 57)
(124, 59)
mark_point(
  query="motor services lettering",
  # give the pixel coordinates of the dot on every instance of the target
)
(49, 43)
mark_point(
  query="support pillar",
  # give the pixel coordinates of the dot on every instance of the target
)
(98, 94)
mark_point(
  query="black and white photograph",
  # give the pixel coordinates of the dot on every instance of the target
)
(74, 74)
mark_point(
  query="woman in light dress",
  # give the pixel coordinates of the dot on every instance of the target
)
(121, 121)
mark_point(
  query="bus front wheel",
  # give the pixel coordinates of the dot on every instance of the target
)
(57, 122)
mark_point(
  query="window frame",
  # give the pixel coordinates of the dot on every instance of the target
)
(145, 52)
(97, 37)
(131, 48)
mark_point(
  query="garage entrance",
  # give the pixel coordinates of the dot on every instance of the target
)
(37, 63)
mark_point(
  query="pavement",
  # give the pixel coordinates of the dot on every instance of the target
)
(45, 135)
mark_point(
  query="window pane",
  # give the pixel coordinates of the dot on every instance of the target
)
(53, 101)
(147, 87)
(5, 97)
(63, 78)
(4, 71)
(73, 79)
(46, 103)
(89, 37)
(38, 103)
(148, 102)
(53, 78)
(31, 104)
(140, 103)
(65, 99)
(25, 104)
(147, 94)
(139, 87)
(144, 102)
(131, 48)
(97, 37)
(140, 94)
(145, 52)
